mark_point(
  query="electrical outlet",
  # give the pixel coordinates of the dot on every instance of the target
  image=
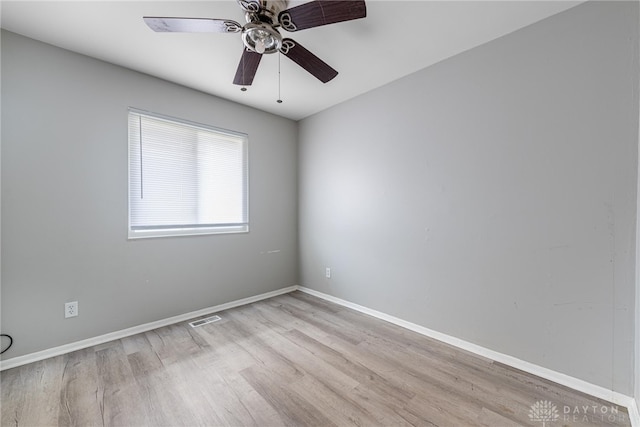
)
(70, 309)
(327, 273)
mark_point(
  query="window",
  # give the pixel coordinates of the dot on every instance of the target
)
(185, 178)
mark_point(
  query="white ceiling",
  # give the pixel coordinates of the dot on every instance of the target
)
(396, 38)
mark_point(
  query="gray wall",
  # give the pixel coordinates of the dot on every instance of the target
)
(491, 197)
(64, 203)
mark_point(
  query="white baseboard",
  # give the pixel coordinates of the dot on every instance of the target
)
(78, 345)
(634, 414)
(557, 377)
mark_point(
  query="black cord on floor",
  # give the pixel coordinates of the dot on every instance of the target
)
(10, 342)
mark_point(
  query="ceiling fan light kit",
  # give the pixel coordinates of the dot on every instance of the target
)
(261, 38)
(260, 35)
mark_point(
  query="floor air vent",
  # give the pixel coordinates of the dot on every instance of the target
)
(204, 321)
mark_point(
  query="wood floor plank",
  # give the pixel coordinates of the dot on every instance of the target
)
(205, 396)
(79, 405)
(117, 395)
(294, 409)
(315, 318)
(292, 360)
(294, 352)
(370, 379)
(489, 418)
(37, 389)
(225, 361)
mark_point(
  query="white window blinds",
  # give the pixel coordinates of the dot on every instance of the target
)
(185, 178)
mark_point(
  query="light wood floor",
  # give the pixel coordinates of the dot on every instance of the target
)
(292, 360)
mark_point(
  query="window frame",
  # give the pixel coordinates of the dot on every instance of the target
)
(177, 230)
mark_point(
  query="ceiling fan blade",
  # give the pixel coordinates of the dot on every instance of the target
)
(192, 25)
(321, 12)
(250, 5)
(307, 60)
(247, 68)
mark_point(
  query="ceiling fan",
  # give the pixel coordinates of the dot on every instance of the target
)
(260, 34)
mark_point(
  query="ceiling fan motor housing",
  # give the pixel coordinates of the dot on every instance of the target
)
(273, 7)
(262, 10)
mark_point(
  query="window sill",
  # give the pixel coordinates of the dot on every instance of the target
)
(178, 232)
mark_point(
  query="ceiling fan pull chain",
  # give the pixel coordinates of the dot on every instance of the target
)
(279, 100)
